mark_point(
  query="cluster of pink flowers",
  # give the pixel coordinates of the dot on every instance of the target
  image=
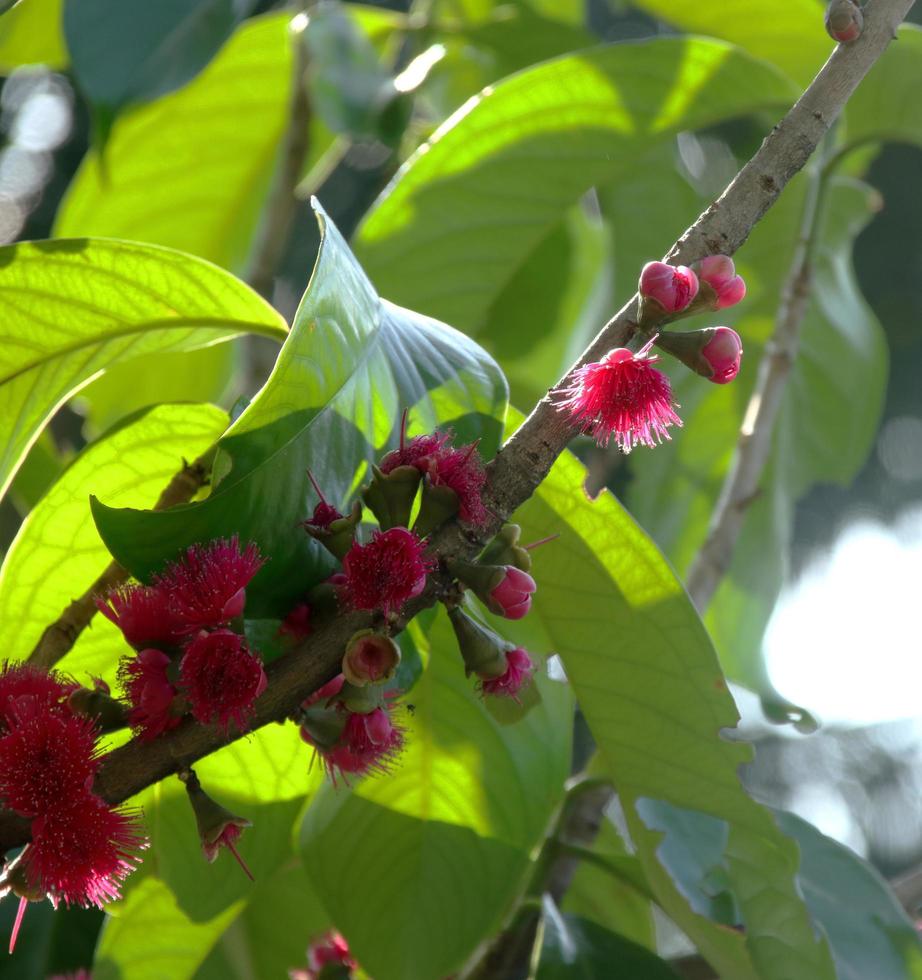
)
(328, 958)
(186, 628)
(81, 848)
(623, 397)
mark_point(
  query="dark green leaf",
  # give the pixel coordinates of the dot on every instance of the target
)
(574, 948)
(125, 51)
(333, 403)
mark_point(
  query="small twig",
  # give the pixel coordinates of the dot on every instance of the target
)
(60, 636)
(741, 486)
(279, 211)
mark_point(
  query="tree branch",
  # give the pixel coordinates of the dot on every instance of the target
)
(528, 455)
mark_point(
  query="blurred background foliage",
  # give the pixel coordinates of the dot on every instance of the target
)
(167, 123)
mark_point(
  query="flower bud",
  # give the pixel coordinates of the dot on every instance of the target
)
(390, 495)
(338, 534)
(844, 21)
(713, 352)
(505, 549)
(217, 827)
(719, 285)
(370, 658)
(665, 289)
(512, 597)
(483, 652)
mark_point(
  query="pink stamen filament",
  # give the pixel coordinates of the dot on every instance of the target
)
(240, 861)
(537, 544)
(310, 477)
(20, 912)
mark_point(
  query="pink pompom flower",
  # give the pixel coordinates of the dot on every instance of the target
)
(150, 693)
(367, 745)
(386, 572)
(622, 397)
(144, 614)
(22, 684)
(222, 678)
(207, 586)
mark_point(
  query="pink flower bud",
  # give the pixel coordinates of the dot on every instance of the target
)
(719, 273)
(519, 668)
(370, 658)
(723, 352)
(513, 594)
(672, 286)
(844, 21)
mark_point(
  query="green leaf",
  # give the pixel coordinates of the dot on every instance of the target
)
(148, 937)
(76, 308)
(790, 35)
(464, 212)
(574, 948)
(41, 467)
(418, 867)
(30, 34)
(192, 169)
(333, 403)
(125, 51)
(57, 553)
(648, 683)
(884, 106)
(870, 934)
(50, 941)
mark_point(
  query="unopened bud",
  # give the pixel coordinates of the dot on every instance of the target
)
(338, 535)
(483, 652)
(217, 827)
(844, 21)
(713, 352)
(370, 658)
(504, 589)
(718, 284)
(390, 495)
(665, 289)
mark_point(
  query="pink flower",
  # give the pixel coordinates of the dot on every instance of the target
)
(386, 572)
(719, 273)
(144, 615)
(368, 744)
(82, 850)
(513, 594)
(324, 513)
(228, 838)
(297, 624)
(723, 352)
(329, 690)
(221, 678)
(207, 586)
(461, 470)
(415, 452)
(21, 684)
(622, 397)
(672, 286)
(517, 674)
(147, 687)
(45, 759)
(330, 949)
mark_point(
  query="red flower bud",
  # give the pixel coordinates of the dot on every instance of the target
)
(844, 21)
(718, 272)
(513, 594)
(723, 353)
(672, 287)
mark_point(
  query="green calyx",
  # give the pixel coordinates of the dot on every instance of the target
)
(483, 652)
(390, 496)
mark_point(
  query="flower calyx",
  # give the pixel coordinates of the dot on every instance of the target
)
(714, 352)
(370, 658)
(217, 826)
(391, 494)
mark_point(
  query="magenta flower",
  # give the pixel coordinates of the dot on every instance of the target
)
(329, 690)
(82, 850)
(518, 673)
(719, 273)
(207, 586)
(21, 685)
(297, 624)
(228, 838)
(367, 745)
(386, 572)
(416, 451)
(723, 352)
(512, 597)
(144, 615)
(461, 470)
(150, 693)
(222, 678)
(673, 287)
(324, 513)
(622, 397)
(47, 757)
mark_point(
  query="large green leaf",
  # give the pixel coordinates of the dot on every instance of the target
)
(417, 867)
(125, 51)
(57, 553)
(474, 201)
(73, 309)
(333, 403)
(31, 33)
(649, 685)
(149, 938)
(791, 35)
(192, 169)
